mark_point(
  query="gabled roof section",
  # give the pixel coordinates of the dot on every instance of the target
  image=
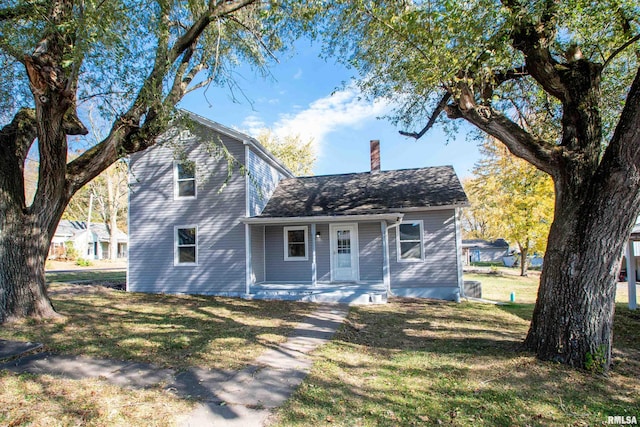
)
(485, 244)
(366, 193)
(69, 228)
(245, 139)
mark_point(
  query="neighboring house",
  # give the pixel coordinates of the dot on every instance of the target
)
(89, 245)
(265, 234)
(478, 250)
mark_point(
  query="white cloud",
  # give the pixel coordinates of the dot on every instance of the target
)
(344, 108)
(252, 125)
(298, 74)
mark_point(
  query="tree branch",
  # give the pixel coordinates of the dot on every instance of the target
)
(127, 134)
(621, 49)
(217, 9)
(499, 78)
(19, 135)
(520, 143)
(19, 11)
(533, 40)
(432, 120)
(625, 143)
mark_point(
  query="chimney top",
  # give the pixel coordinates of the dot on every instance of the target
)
(375, 156)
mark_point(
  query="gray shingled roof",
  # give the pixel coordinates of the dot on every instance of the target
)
(366, 193)
(69, 228)
(485, 244)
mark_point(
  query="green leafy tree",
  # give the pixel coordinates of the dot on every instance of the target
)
(296, 154)
(135, 60)
(516, 200)
(558, 84)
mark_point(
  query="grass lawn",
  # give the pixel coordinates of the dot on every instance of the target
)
(170, 331)
(87, 275)
(410, 362)
(417, 362)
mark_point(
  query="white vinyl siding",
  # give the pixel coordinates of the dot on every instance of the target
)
(296, 243)
(184, 178)
(186, 245)
(410, 241)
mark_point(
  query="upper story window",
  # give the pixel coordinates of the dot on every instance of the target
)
(295, 243)
(186, 245)
(184, 177)
(410, 241)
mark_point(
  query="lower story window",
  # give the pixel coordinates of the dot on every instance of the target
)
(186, 245)
(295, 243)
(410, 241)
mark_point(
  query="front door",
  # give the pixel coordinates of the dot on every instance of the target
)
(344, 252)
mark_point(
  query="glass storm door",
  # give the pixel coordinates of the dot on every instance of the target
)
(344, 252)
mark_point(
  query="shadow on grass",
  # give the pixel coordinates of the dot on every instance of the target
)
(171, 331)
(428, 363)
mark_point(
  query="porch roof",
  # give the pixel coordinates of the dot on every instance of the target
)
(394, 217)
(385, 192)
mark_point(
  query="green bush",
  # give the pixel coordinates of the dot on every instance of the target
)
(71, 252)
(82, 262)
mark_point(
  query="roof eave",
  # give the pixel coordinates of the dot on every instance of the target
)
(434, 208)
(391, 216)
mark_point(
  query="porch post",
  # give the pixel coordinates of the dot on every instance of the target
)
(248, 265)
(631, 275)
(386, 275)
(314, 272)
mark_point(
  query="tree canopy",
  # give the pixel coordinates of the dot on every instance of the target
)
(296, 154)
(445, 56)
(133, 60)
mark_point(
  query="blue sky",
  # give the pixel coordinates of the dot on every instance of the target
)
(306, 96)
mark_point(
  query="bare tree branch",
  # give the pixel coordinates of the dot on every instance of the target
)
(432, 120)
(256, 37)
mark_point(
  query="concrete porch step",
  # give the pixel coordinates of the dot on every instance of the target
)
(341, 296)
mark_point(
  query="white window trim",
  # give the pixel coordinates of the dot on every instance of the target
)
(398, 251)
(306, 243)
(176, 188)
(176, 257)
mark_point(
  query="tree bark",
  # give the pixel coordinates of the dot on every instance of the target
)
(573, 317)
(24, 245)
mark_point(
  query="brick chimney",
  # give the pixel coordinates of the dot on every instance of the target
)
(375, 156)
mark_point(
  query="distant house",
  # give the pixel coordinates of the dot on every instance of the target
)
(89, 244)
(358, 237)
(478, 250)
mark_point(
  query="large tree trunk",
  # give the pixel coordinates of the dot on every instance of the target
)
(23, 249)
(573, 317)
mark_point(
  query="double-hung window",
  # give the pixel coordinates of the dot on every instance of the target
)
(295, 243)
(184, 173)
(186, 245)
(410, 241)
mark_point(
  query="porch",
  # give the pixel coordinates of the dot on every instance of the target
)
(358, 293)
